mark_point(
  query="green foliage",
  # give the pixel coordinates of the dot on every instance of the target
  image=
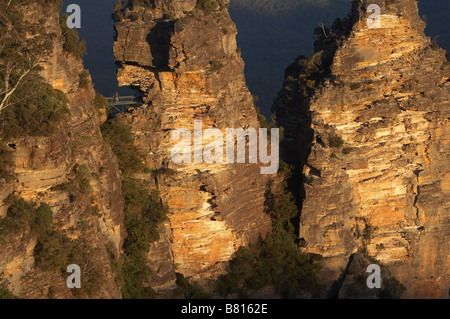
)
(366, 233)
(20, 215)
(215, 66)
(100, 101)
(78, 184)
(33, 108)
(391, 289)
(310, 84)
(187, 290)
(335, 141)
(117, 16)
(20, 84)
(308, 73)
(36, 110)
(43, 219)
(68, 187)
(84, 79)
(72, 42)
(347, 150)
(276, 261)
(5, 293)
(82, 177)
(120, 138)
(282, 208)
(264, 123)
(263, 120)
(134, 272)
(143, 213)
(207, 5)
(53, 251)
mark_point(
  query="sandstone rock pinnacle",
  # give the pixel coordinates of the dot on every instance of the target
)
(369, 114)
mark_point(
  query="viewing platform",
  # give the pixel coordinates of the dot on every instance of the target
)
(124, 101)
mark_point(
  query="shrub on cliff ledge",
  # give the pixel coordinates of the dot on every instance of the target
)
(20, 215)
(335, 141)
(72, 43)
(276, 261)
(207, 5)
(187, 290)
(36, 110)
(120, 138)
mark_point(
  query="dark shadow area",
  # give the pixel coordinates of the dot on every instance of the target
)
(159, 42)
(292, 105)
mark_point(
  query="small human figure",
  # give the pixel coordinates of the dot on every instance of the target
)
(116, 97)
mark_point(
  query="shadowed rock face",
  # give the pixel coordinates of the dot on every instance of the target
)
(373, 139)
(185, 62)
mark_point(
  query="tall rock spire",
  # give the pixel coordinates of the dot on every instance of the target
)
(182, 56)
(369, 113)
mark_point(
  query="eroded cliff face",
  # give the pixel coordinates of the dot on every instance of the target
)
(373, 141)
(44, 165)
(184, 60)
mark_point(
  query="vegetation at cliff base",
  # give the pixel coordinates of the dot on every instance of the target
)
(78, 185)
(144, 211)
(276, 261)
(143, 214)
(120, 138)
(188, 290)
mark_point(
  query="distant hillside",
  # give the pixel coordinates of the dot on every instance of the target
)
(272, 33)
(271, 38)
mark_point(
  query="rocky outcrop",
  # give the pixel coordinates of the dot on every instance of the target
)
(369, 114)
(183, 58)
(42, 164)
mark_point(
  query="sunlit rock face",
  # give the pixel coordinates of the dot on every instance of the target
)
(185, 62)
(43, 162)
(374, 146)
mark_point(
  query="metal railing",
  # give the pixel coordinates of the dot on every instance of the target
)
(123, 100)
(121, 103)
